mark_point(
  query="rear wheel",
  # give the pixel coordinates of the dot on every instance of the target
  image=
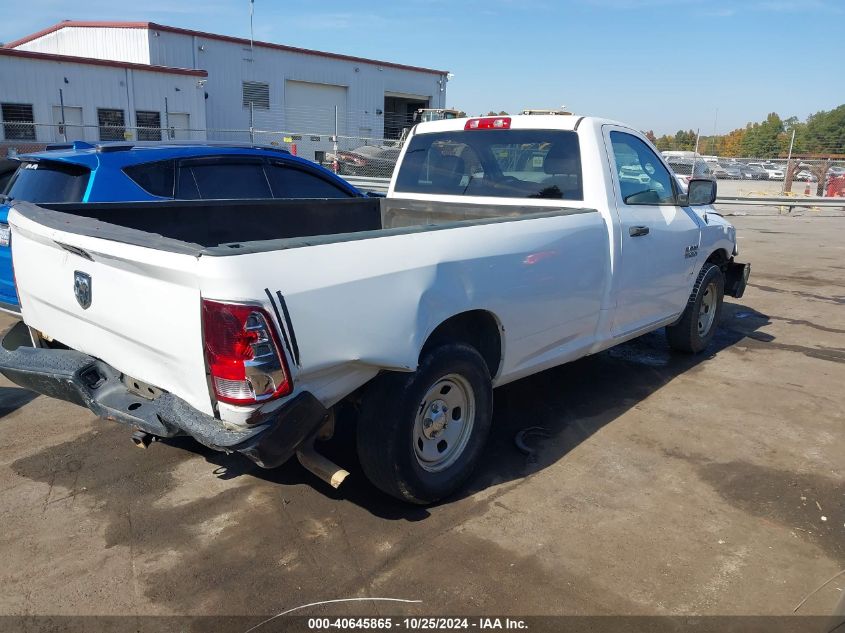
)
(698, 323)
(421, 434)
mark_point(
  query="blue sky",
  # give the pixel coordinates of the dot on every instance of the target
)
(655, 64)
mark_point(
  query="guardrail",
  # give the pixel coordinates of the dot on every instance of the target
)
(380, 185)
(365, 183)
(785, 201)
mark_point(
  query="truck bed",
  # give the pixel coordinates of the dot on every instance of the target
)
(230, 227)
(150, 265)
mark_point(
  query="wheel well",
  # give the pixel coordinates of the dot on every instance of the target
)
(718, 257)
(478, 328)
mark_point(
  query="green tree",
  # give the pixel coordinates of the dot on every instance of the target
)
(762, 140)
(665, 143)
(824, 132)
(685, 140)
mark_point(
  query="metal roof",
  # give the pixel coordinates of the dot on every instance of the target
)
(213, 36)
(72, 59)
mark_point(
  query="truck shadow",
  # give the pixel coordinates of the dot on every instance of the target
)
(13, 398)
(551, 412)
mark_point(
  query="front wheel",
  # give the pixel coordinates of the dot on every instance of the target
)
(699, 320)
(421, 434)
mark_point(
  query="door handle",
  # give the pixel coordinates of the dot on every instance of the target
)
(638, 231)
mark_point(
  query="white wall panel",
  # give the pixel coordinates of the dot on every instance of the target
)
(90, 87)
(172, 49)
(228, 65)
(118, 44)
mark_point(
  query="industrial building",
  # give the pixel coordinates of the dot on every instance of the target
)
(145, 81)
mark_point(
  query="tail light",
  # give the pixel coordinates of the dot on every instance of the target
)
(244, 355)
(489, 123)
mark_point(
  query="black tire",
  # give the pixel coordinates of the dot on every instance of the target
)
(386, 426)
(684, 336)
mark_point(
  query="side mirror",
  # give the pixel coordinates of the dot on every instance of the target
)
(701, 191)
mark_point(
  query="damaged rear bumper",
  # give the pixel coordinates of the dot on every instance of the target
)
(81, 379)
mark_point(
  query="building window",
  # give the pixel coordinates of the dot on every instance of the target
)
(149, 125)
(18, 121)
(256, 93)
(112, 124)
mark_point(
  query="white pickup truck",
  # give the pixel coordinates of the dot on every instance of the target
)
(505, 246)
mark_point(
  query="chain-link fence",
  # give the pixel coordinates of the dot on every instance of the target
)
(317, 126)
(767, 175)
(347, 155)
(310, 133)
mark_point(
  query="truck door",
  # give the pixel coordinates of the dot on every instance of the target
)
(658, 238)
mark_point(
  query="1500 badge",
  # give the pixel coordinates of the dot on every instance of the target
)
(691, 251)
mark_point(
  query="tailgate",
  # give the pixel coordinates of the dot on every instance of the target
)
(144, 312)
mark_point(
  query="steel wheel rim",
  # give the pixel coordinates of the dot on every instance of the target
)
(444, 422)
(707, 311)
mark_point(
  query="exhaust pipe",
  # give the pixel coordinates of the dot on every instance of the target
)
(142, 439)
(321, 466)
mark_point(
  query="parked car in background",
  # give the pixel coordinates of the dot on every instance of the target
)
(368, 160)
(114, 172)
(686, 169)
(759, 172)
(732, 171)
(772, 172)
(806, 176)
(717, 170)
(753, 172)
(633, 173)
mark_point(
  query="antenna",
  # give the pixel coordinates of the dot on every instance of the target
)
(251, 32)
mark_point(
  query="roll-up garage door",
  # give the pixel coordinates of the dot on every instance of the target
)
(310, 112)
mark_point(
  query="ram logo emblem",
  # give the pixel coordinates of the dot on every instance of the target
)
(82, 289)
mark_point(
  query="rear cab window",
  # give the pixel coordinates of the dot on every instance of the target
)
(48, 181)
(497, 163)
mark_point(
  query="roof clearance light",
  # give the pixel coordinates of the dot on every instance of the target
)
(489, 123)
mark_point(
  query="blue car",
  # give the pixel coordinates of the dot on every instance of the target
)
(123, 172)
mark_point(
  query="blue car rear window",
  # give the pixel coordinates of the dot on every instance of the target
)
(48, 181)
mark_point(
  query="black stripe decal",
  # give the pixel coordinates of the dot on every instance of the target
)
(279, 318)
(578, 122)
(290, 326)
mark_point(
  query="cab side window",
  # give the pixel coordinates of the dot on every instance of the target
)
(643, 180)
